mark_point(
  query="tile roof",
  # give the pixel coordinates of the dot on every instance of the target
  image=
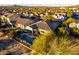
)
(53, 24)
(40, 25)
(24, 21)
(43, 25)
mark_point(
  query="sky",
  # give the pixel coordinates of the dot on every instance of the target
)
(40, 2)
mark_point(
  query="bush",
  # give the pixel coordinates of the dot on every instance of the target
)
(61, 46)
(75, 33)
(62, 31)
(49, 17)
(41, 44)
(69, 13)
(75, 30)
(69, 20)
(50, 44)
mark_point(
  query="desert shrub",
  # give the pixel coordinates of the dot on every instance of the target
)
(61, 46)
(41, 44)
(51, 44)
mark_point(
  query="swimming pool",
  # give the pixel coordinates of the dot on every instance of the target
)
(27, 39)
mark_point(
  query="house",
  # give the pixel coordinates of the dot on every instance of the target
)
(45, 26)
(31, 31)
(38, 28)
(23, 22)
(41, 27)
(9, 18)
(1, 34)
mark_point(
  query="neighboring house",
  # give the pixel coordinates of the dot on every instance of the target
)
(59, 15)
(1, 34)
(5, 19)
(54, 24)
(73, 8)
(31, 14)
(55, 16)
(35, 18)
(78, 25)
(73, 25)
(23, 16)
(9, 18)
(75, 15)
(13, 17)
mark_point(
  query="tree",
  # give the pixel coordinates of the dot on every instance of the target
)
(69, 13)
(47, 17)
(62, 31)
(69, 20)
(75, 32)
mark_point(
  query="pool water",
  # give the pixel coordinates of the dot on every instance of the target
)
(27, 39)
